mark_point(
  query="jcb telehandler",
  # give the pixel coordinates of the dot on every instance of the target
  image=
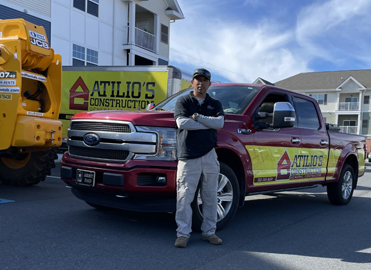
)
(30, 100)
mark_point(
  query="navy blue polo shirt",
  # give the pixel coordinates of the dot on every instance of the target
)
(196, 143)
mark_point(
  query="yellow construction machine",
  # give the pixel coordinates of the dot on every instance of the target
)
(30, 100)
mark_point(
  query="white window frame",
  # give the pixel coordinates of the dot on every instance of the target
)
(321, 98)
(351, 99)
(347, 123)
(88, 56)
(366, 100)
(91, 57)
(165, 35)
(95, 2)
(86, 5)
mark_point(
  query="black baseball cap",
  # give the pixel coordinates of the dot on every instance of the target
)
(202, 72)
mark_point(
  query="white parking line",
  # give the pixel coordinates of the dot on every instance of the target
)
(6, 201)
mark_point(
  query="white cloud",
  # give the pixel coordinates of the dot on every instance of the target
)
(334, 29)
(244, 48)
(240, 52)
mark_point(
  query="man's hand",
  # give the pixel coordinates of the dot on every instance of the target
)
(195, 116)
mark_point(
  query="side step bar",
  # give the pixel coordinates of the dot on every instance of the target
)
(279, 190)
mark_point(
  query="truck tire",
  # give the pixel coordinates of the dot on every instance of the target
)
(228, 195)
(341, 192)
(27, 169)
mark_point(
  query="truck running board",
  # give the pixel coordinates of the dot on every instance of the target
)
(280, 190)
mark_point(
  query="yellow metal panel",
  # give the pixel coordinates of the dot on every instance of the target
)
(10, 89)
(34, 131)
(30, 86)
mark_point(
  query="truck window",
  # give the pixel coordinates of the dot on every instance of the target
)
(306, 114)
(263, 115)
(235, 99)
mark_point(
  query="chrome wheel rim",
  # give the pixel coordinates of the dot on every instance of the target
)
(224, 197)
(347, 186)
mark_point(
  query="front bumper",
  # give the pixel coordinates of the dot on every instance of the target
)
(147, 186)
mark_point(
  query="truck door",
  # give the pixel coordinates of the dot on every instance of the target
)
(311, 164)
(273, 149)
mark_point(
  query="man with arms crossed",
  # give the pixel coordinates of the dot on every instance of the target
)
(198, 117)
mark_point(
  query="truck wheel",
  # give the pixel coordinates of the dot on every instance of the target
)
(341, 192)
(27, 169)
(228, 195)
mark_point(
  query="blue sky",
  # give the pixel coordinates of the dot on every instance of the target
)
(241, 40)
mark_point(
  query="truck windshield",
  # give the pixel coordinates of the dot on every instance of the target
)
(234, 99)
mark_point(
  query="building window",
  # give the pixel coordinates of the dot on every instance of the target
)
(93, 7)
(365, 124)
(321, 98)
(84, 57)
(90, 6)
(351, 99)
(164, 34)
(350, 123)
(79, 4)
(366, 100)
(91, 57)
(78, 55)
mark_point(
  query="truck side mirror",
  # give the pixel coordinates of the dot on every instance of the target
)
(283, 115)
(150, 106)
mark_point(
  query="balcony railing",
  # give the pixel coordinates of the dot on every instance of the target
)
(144, 39)
(348, 106)
(348, 129)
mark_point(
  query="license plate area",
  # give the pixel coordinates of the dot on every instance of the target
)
(85, 177)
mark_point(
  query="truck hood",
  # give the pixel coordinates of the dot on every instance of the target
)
(138, 118)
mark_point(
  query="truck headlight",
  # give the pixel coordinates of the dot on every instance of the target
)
(166, 144)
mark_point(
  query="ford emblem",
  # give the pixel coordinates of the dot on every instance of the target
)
(91, 139)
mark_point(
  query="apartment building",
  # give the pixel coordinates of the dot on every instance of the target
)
(344, 97)
(102, 32)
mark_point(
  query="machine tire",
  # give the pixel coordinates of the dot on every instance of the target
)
(29, 169)
(228, 195)
(341, 192)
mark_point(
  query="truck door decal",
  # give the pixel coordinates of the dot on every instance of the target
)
(283, 167)
(290, 165)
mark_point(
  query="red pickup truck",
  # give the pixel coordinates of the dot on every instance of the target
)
(272, 140)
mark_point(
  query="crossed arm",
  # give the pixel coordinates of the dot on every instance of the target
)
(203, 122)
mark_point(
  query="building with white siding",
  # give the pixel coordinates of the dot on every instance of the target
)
(343, 96)
(102, 32)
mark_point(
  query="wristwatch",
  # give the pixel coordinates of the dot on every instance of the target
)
(195, 116)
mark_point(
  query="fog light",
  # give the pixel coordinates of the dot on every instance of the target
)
(161, 179)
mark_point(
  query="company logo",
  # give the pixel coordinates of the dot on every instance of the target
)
(283, 167)
(300, 167)
(75, 94)
(38, 40)
(91, 139)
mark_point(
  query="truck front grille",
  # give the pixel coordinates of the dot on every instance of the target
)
(98, 126)
(98, 153)
(106, 140)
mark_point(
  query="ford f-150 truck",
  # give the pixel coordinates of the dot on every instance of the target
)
(272, 140)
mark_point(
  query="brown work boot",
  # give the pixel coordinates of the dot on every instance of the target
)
(213, 239)
(181, 242)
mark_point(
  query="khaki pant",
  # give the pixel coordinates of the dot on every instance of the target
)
(188, 176)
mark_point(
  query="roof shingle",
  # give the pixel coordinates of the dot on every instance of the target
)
(324, 80)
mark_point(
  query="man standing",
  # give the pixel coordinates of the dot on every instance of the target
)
(198, 117)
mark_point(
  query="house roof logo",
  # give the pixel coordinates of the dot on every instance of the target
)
(74, 94)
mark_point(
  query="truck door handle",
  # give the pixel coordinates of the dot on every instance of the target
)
(323, 142)
(295, 140)
(243, 131)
